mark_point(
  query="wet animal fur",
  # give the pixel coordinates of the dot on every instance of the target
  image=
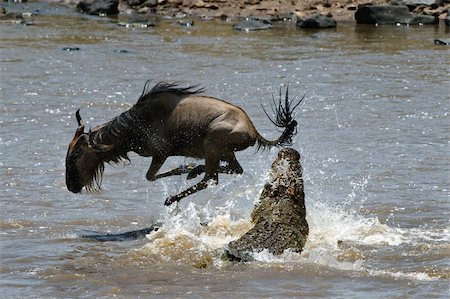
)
(169, 120)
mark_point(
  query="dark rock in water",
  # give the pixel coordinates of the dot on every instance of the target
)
(99, 7)
(121, 51)
(280, 215)
(136, 20)
(128, 236)
(317, 21)
(442, 41)
(424, 20)
(389, 15)
(69, 49)
(138, 24)
(383, 14)
(250, 24)
(185, 23)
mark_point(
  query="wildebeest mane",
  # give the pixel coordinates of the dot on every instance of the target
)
(117, 133)
(173, 87)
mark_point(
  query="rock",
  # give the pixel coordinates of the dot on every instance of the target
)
(71, 49)
(99, 7)
(382, 14)
(280, 216)
(413, 3)
(252, 2)
(447, 18)
(442, 41)
(317, 21)
(249, 24)
(389, 15)
(150, 3)
(121, 51)
(137, 24)
(424, 19)
(185, 23)
(136, 2)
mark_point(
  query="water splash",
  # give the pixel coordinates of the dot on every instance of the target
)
(339, 239)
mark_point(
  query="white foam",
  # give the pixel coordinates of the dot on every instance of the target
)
(339, 237)
(185, 232)
(420, 276)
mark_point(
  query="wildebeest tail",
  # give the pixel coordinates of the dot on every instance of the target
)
(283, 110)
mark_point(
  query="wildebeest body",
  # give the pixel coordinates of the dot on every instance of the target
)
(192, 125)
(171, 121)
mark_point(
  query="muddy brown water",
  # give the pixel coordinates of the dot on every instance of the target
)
(373, 134)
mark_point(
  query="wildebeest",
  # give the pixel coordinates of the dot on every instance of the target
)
(169, 120)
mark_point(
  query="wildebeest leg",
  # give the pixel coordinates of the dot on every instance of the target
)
(199, 169)
(232, 166)
(211, 176)
(157, 162)
(177, 171)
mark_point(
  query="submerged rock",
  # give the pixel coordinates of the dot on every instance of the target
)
(280, 216)
(70, 49)
(137, 24)
(250, 24)
(185, 23)
(317, 21)
(442, 41)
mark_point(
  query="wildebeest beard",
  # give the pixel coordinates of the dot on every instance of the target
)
(90, 178)
(95, 182)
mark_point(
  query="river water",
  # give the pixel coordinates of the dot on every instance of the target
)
(373, 134)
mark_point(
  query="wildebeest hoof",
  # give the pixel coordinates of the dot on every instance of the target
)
(170, 200)
(151, 178)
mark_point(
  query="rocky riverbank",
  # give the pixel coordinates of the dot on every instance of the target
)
(339, 10)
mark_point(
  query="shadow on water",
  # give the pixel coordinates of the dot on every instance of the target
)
(127, 236)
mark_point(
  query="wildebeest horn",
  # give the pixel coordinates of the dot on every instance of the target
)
(80, 129)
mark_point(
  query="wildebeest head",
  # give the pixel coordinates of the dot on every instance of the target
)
(84, 163)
